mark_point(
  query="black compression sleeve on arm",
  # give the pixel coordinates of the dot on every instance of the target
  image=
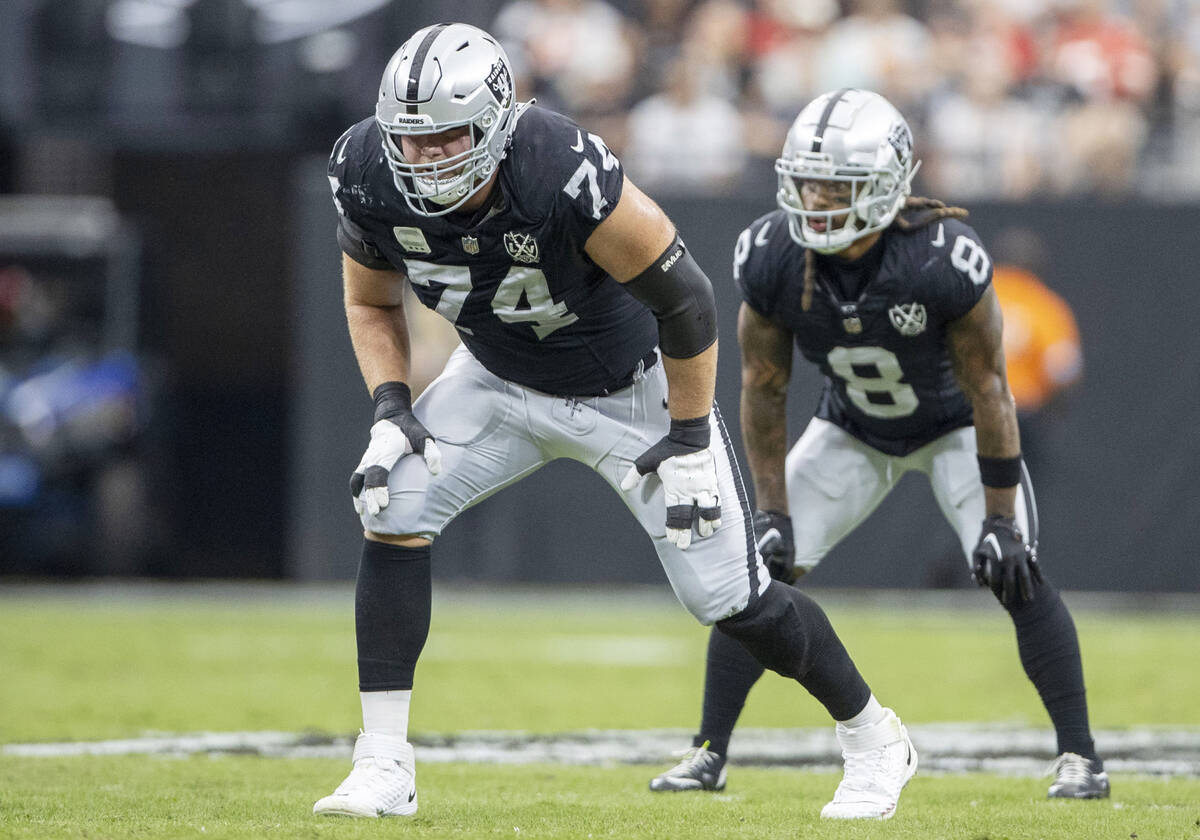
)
(676, 290)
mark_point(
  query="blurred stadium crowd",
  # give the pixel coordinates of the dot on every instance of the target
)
(1009, 98)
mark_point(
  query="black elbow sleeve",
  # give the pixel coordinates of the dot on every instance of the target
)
(681, 298)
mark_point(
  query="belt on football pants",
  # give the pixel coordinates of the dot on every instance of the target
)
(644, 364)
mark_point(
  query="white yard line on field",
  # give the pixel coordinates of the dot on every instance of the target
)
(948, 748)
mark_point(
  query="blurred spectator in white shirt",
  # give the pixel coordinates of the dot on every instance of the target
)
(785, 37)
(984, 143)
(684, 140)
(576, 55)
(983, 140)
(1183, 64)
(877, 47)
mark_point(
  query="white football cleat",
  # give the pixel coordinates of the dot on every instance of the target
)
(880, 759)
(383, 782)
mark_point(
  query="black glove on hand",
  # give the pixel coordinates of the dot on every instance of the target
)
(773, 531)
(1004, 562)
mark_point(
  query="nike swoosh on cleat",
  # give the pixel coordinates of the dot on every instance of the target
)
(412, 795)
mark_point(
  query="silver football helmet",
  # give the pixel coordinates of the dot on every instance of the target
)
(850, 143)
(446, 76)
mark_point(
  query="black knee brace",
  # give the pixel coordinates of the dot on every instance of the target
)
(392, 602)
(789, 633)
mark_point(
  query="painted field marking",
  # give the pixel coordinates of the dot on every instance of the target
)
(944, 748)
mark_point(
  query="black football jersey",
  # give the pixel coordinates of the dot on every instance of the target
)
(882, 348)
(527, 301)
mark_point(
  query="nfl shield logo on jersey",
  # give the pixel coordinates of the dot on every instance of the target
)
(470, 245)
(851, 323)
(908, 318)
(522, 247)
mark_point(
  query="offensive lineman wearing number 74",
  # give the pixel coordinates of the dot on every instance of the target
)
(588, 332)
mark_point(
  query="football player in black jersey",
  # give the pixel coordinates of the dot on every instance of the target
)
(890, 296)
(588, 332)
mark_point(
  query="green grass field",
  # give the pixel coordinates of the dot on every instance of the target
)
(89, 664)
(238, 797)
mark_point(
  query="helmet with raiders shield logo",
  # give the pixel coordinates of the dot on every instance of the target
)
(446, 76)
(850, 153)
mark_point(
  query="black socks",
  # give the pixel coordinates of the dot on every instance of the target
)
(1049, 650)
(391, 614)
(730, 674)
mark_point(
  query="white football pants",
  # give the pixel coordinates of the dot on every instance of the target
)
(492, 433)
(835, 481)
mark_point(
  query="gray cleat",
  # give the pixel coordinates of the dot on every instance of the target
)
(699, 769)
(1076, 777)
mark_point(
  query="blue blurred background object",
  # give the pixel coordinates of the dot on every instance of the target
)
(76, 399)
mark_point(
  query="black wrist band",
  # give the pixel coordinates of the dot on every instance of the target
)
(391, 398)
(694, 432)
(999, 472)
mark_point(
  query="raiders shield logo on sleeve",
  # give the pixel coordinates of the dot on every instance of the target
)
(908, 318)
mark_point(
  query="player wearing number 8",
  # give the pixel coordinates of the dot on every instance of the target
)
(588, 332)
(890, 296)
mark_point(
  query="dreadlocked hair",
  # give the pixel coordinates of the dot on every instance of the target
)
(927, 210)
(810, 280)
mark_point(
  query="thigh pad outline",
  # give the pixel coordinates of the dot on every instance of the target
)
(463, 410)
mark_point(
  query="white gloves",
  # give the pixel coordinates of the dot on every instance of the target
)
(369, 484)
(688, 471)
(396, 433)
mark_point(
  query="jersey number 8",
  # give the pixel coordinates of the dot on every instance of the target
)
(848, 362)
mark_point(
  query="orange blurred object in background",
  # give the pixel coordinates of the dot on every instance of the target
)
(1041, 338)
